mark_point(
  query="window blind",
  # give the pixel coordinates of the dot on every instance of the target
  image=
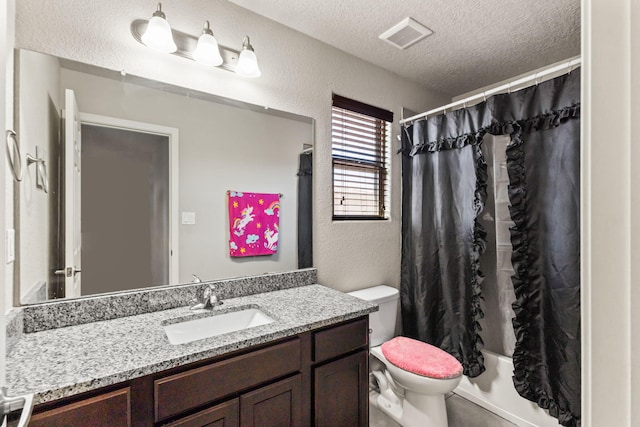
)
(360, 151)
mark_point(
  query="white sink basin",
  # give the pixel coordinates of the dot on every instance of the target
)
(210, 326)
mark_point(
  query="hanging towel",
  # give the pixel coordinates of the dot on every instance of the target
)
(254, 220)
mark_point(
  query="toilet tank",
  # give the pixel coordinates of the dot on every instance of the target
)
(382, 322)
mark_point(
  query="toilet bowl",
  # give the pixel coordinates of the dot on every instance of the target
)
(417, 399)
(411, 378)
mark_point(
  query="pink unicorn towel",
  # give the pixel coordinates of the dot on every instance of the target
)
(253, 222)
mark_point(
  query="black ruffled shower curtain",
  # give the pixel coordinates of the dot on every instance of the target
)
(444, 190)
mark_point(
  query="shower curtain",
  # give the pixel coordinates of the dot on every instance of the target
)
(443, 194)
(305, 210)
(444, 190)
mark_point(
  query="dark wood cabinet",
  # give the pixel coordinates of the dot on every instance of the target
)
(222, 415)
(341, 392)
(183, 391)
(108, 410)
(276, 405)
(315, 378)
(340, 340)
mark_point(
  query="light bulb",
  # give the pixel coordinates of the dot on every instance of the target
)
(247, 62)
(207, 51)
(158, 35)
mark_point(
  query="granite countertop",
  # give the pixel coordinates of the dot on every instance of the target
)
(63, 362)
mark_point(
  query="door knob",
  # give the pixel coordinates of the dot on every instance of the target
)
(68, 272)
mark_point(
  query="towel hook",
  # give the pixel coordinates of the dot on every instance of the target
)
(42, 180)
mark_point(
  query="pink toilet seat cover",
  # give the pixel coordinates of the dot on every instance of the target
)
(421, 358)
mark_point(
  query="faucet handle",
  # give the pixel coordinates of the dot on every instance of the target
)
(213, 300)
(207, 291)
(200, 299)
(211, 297)
(206, 297)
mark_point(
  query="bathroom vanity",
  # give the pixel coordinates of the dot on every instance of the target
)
(266, 385)
(308, 367)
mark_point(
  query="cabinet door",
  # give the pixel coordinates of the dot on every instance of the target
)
(276, 405)
(223, 415)
(341, 392)
(188, 390)
(109, 410)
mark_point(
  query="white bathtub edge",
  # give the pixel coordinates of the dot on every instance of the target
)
(494, 391)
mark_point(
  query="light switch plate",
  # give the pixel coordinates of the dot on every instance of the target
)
(11, 245)
(188, 218)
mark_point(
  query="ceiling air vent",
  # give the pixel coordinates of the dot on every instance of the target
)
(406, 33)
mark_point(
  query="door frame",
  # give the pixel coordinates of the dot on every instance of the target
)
(173, 135)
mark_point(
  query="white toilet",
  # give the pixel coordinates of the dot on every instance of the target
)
(411, 377)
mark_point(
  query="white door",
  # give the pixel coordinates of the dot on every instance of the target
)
(72, 170)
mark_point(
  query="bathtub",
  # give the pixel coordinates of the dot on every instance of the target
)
(494, 391)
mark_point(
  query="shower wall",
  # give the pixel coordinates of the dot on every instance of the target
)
(497, 330)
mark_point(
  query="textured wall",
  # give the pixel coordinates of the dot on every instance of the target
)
(298, 75)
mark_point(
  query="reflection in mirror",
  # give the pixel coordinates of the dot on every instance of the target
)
(138, 180)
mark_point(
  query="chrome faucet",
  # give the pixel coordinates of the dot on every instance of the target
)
(206, 298)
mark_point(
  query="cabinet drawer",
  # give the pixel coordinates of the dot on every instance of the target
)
(187, 390)
(222, 415)
(341, 339)
(109, 410)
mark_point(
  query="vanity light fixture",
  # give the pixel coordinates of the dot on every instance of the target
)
(157, 34)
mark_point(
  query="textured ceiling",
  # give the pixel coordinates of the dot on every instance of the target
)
(475, 42)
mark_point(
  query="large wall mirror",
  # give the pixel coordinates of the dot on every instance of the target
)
(133, 184)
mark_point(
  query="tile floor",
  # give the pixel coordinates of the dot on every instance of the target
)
(460, 412)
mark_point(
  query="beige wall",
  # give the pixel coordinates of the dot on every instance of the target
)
(6, 101)
(7, 11)
(634, 52)
(220, 148)
(39, 118)
(298, 75)
(610, 234)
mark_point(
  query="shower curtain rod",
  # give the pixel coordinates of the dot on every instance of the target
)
(505, 87)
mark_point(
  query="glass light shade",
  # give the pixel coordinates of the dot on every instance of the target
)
(248, 64)
(158, 35)
(207, 51)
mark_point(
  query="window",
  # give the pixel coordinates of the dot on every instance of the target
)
(360, 141)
